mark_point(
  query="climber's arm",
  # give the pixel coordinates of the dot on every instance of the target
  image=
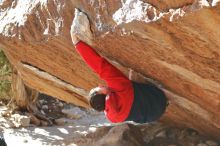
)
(114, 78)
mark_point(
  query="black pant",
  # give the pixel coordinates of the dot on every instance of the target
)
(149, 103)
(2, 142)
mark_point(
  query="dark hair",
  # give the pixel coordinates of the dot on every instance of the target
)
(97, 101)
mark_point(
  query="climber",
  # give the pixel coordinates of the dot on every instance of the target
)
(122, 99)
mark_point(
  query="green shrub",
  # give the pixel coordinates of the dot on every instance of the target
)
(5, 68)
(5, 76)
(5, 86)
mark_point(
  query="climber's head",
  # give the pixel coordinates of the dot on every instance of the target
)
(97, 98)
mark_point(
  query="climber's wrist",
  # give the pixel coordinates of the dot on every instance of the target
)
(76, 42)
(75, 39)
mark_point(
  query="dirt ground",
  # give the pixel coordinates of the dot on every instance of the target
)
(74, 126)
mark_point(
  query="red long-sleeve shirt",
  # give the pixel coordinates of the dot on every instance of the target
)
(119, 101)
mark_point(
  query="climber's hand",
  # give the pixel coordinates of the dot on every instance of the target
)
(75, 39)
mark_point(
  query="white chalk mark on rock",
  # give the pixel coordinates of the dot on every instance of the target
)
(132, 10)
(215, 2)
(16, 17)
(81, 27)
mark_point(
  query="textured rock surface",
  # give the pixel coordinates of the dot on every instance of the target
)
(175, 43)
(122, 135)
(141, 135)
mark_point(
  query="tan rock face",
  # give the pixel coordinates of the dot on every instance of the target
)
(175, 43)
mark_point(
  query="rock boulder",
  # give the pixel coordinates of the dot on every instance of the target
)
(174, 44)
